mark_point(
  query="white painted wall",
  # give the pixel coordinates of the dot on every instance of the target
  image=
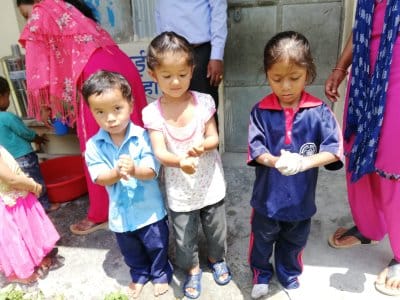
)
(9, 27)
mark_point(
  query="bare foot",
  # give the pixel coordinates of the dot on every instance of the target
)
(53, 207)
(160, 288)
(388, 284)
(86, 226)
(31, 279)
(135, 289)
(348, 237)
(344, 241)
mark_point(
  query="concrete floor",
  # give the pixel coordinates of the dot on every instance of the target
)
(94, 267)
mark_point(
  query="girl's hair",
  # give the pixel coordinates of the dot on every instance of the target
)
(168, 41)
(291, 46)
(103, 81)
(4, 87)
(79, 4)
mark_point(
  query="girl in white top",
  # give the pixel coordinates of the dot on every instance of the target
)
(185, 139)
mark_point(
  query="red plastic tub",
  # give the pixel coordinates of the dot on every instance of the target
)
(64, 177)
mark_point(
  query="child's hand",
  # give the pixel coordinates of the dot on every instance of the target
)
(189, 164)
(196, 151)
(45, 116)
(40, 139)
(37, 189)
(290, 163)
(125, 166)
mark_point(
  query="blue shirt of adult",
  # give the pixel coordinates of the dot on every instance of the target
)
(133, 203)
(199, 21)
(15, 136)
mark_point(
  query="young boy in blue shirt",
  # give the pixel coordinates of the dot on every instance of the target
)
(120, 158)
(16, 137)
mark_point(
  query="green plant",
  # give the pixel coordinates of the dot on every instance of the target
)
(10, 293)
(13, 292)
(116, 296)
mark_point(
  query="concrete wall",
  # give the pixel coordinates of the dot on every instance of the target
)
(250, 25)
(9, 28)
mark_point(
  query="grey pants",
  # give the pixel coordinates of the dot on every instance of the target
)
(186, 229)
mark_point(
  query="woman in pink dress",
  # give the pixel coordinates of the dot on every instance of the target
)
(371, 126)
(27, 236)
(64, 46)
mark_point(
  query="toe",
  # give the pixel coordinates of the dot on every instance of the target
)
(160, 288)
(381, 279)
(135, 289)
(339, 232)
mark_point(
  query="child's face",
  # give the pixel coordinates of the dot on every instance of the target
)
(173, 75)
(111, 111)
(4, 101)
(25, 10)
(287, 81)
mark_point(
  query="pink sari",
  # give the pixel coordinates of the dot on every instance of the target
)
(63, 48)
(375, 198)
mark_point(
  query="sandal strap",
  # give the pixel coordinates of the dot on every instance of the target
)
(353, 231)
(193, 281)
(220, 268)
(393, 269)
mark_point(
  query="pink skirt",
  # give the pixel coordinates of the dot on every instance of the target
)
(26, 236)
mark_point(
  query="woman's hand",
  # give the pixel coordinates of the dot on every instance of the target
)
(333, 82)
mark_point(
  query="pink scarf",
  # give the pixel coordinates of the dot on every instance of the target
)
(59, 41)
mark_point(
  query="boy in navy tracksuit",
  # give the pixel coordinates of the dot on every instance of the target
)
(291, 134)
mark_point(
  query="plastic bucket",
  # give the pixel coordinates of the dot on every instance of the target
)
(64, 178)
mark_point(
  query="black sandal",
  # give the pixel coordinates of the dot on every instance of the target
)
(353, 231)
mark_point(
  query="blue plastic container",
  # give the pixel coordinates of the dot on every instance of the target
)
(60, 127)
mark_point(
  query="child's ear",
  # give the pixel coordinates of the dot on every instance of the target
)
(131, 104)
(152, 74)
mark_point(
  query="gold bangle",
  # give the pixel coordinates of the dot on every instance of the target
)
(341, 69)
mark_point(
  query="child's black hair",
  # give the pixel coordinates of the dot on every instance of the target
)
(4, 86)
(291, 46)
(103, 81)
(168, 41)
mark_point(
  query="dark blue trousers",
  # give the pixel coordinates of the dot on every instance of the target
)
(199, 81)
(289, 239)
(146, 253)
(30, 165)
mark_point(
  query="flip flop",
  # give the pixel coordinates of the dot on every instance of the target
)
(31, 280)
(53, 207)
(86, 226)
(354, 232)
(193, 282)
(218, 269)
(393, 272)
(48, 264)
